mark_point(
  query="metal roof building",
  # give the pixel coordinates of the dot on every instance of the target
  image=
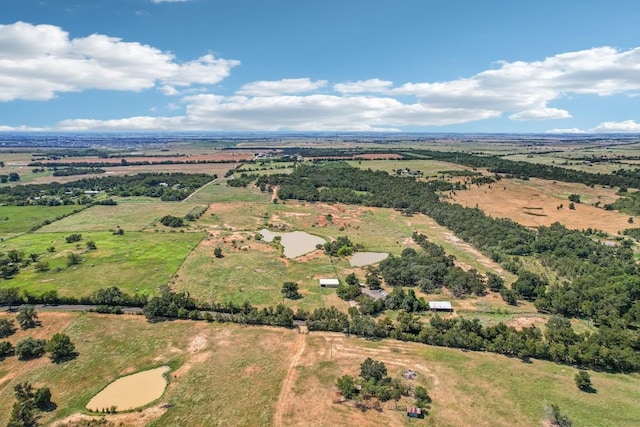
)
(440, 305)
(329, 283)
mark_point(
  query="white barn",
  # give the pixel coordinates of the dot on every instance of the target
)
(329, 283)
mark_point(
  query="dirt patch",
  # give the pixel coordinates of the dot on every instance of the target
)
(250, 370)
(526, 322)
(133, 419)
(198, 343)
(289, 380)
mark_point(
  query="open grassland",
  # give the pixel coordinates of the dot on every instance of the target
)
(134, 262)
(216, 369)
(254, 271)
(566, 162)
(220, 192)
(233, 375)
(128, 215)
(535, 202)
(467, 388)
(20, 219)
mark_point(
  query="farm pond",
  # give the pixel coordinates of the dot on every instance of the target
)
(360, 259)
(295, 243)
(132, 391)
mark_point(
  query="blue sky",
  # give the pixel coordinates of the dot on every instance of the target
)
(313, 65)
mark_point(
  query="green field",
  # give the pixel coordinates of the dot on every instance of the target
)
(130, 216)
(20, 219)
(220, 192)
(134, 262)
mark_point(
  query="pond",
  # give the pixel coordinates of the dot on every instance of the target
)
(132, 391)
(360, 259)
(295, 243)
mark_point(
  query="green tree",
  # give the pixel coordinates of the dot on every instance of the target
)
(30, 348)
(42, 399)
(422, 396)
(372, 369)
(91, 245)
(6, 349)
(583, 381)
(73, 238)
(290, 290)
(6, 328)
(9, 297)
(352, 279)
(373, 281)
(555, 417)
(27, 317)
(60, 348)
(73, 259)
(575, 198)
(347, 386)
(494, 282)
(217, 252)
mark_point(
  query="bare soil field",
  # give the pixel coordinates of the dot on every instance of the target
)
(534, 203)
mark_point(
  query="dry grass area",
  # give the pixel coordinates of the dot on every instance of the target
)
(257, 376)
(534, 203)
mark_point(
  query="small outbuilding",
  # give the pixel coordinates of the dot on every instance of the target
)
(414, 412)
(440, 306)
(329, 283)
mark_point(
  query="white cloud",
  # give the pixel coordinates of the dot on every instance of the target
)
(281, 87)
(627, 126)
(38, 61)
(303, 113)
(541, 114)
(528, 87)
(364, 86)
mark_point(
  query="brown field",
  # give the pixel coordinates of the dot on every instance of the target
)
(259, 376)
(534, 203)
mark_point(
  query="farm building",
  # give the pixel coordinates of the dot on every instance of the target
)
(414, 412)
(440, 306)
(329, 283)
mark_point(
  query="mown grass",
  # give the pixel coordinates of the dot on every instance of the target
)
(20, 219)
(220, 192)
(427, 167)
(128, 216)
(134, 262)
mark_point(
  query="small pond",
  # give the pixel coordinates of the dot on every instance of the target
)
(360, 259)
(295, 243)
(132, 391)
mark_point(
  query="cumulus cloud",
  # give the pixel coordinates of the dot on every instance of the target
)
(541, 114)
(280, 87)
(528, 87)
(38, 61)
(627, 126)
(364, 86)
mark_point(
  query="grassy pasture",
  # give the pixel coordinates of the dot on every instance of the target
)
(135, 261)
(216, 369)
(233, 375)
(20, 219)
(128, 215)
(220, 192)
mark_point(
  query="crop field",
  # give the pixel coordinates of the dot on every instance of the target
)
(288, 378)
(134, 262)
(20, 219)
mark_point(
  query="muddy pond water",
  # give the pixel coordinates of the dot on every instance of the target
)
(132, 391)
